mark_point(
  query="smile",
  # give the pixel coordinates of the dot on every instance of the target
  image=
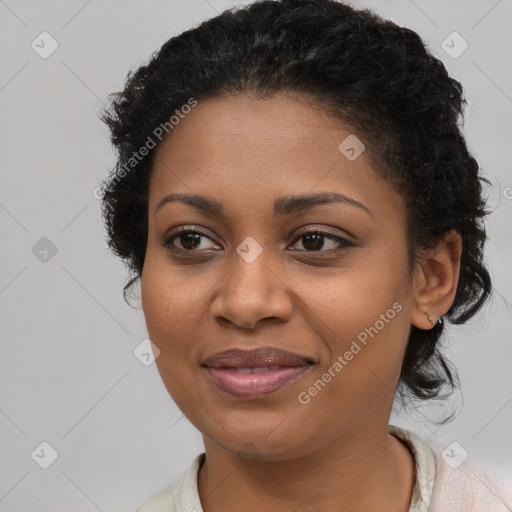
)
(255, 373)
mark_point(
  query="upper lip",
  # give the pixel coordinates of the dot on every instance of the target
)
(256, 358)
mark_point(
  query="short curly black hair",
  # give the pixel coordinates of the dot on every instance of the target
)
(352, 64)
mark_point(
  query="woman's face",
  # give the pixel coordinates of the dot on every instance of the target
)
(326, 280)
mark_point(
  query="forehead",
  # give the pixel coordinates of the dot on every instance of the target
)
(228, 128)
(247, 150)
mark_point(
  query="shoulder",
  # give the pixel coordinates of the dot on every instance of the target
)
(164, 501)
(181, 495)
(448, 481)
(463, 486)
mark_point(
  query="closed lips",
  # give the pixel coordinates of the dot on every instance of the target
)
(271, 368)
(259, 359)
(254, 374)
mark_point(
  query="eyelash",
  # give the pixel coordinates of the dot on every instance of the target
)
(344, 243)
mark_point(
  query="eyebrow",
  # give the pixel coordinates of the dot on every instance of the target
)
(282, 206)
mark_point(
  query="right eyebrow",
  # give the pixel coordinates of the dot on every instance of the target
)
(199, 202)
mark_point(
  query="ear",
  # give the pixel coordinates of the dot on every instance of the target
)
(435, 280)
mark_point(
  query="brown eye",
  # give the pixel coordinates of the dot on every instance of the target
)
(188, 240)
(315, 241)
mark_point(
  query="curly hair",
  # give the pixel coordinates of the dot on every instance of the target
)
(352, 65)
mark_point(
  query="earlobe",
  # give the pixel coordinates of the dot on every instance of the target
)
(434, 321)
(435, 281)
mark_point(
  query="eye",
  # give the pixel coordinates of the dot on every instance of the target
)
(188, 240)
(315, 241)
(191, 240)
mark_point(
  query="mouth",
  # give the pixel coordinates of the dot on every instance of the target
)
(255, 373)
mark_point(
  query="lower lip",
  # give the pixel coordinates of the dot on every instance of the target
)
(254, 385)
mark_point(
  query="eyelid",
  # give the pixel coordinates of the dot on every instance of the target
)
(196, 228)
(322, 228)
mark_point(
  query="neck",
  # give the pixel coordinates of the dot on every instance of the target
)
(365, 468)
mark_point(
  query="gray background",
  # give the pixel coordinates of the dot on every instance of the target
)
(68, 372)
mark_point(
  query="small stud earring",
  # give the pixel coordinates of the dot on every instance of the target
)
(431, 320)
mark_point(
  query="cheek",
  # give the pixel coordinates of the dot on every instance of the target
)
(368, 335)
(366, 313)
(359, 377)
(168, 301)
(168, 296)
(175, 304)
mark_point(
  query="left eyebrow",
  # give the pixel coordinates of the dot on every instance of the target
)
(282, 206)
(293, 204)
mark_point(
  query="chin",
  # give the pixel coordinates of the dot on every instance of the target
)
(246, 436)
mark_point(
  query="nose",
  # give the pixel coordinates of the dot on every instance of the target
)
(251, 293)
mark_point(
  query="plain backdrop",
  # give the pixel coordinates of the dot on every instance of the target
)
(111, 435)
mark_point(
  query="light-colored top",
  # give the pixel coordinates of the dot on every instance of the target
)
(443, 483)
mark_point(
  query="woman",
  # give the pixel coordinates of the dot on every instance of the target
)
(295, 196)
